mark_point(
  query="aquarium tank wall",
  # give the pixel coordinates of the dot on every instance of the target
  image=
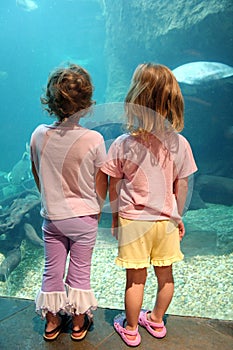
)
(110, 38)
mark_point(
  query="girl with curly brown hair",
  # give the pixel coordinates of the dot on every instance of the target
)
(66, 160)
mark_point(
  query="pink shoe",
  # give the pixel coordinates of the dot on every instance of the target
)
(119, 321)
(150, 326)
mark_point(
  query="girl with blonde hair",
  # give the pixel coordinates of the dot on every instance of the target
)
(149, 168)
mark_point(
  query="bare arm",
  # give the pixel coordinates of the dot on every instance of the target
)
(181, 191)
(35, 175)
(101, 187)
(114, 188)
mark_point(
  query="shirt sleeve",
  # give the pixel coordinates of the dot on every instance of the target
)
(187, 165)
(100, 153)
(113, 164)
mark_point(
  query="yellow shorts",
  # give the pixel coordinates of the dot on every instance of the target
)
(141, 243)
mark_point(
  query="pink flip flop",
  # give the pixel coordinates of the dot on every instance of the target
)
(150, 326)
(119, 321)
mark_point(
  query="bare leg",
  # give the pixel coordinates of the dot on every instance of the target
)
(164, 293)
(53, 321)
(81, 324)
(78, 321)
(135, 282)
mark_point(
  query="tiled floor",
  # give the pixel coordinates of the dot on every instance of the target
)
(22, 329)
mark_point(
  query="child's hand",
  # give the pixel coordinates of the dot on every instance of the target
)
(181, 230)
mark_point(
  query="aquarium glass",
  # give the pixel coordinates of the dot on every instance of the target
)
(110, 38)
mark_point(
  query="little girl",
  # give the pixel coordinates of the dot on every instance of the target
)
(66, 160)
(149, 169)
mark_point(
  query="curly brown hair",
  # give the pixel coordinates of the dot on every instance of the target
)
(154, 90)
(69, 90)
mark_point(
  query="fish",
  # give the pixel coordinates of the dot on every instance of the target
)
(198, 101)
(31, 234)
(3, 178)
(21, 171)
(83, 62)
(12, 260)
(196, 73)
(27, 5)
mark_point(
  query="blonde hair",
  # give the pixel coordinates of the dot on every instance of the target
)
(69, 90)
(154, 96)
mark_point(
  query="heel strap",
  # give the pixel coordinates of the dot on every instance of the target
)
(122, 329)
(53, 330)
(153, 324)
(85, 325)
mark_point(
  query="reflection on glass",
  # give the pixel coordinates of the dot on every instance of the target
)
(110, 38)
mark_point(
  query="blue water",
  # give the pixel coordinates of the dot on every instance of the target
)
(35, 41)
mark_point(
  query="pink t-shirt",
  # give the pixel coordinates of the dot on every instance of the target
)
(148, 170)
(67, 159)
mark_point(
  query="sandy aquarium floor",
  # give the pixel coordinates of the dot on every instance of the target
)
(203, 280)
